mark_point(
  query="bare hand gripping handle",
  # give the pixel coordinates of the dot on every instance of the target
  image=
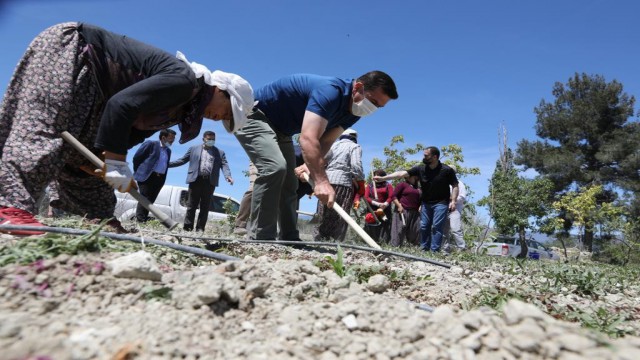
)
(164, 218)
(352, 223)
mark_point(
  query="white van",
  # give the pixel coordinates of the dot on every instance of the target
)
(172, 200)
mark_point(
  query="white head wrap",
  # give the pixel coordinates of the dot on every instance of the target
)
(242, 100)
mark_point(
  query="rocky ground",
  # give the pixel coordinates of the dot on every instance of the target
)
(277, 302)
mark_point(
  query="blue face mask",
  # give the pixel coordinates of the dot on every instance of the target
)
(210, 142)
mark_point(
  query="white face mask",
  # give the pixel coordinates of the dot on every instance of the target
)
(363, 108)
(210, 143)
(166, 144)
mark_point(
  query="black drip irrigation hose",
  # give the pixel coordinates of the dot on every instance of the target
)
(315, 243)
(187, 249)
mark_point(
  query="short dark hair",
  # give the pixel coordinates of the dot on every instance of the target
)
(434, 151)
(165, 133)
(208, 133)
(380, 172)
(378, 79)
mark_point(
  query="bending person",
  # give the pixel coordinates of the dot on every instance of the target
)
(110, 92)
(345, 172)
(406, 219)
(319, 108)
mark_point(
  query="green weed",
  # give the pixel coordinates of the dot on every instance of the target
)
(337, 264)
(153, 293)
(30, 249)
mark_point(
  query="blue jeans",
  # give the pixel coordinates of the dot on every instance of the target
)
(432, 218)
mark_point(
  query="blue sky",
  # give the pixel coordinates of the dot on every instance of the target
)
(461, 67)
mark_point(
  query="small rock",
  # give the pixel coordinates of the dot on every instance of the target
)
(528, 334)
(515, 311)
(442, 315)
(378, 283)
(350, 322)
(41, 278)
(11, 325)
(457, 331)
(492, 340)
(575, 342)
(63, 258)
(247, 325)
(473, 319)
(139, 265)
(628, 353)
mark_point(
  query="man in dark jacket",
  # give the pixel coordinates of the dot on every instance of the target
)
(150, 165)
(205, 162)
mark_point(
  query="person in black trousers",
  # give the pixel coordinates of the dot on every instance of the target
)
(205, 162)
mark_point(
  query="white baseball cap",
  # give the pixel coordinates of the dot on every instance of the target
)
(350, 131)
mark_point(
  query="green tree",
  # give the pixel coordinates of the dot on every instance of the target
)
(513, 201)
(587, 212)
(398, 159)
(588, 138)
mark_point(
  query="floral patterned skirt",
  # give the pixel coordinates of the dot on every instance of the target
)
(52, 90)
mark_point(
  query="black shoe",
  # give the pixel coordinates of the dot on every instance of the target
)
(187, 228)
(214, 246)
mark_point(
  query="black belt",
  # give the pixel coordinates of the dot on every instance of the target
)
(204, 176)
(157, 174)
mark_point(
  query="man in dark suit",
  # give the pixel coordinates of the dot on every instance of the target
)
(205, 163)
(150, 165)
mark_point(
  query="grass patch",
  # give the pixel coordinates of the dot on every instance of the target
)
(31, 249)
(544, 283)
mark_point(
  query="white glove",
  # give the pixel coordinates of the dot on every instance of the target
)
(375, 203)
(117, 174)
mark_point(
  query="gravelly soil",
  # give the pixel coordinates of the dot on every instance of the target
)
(284, 303)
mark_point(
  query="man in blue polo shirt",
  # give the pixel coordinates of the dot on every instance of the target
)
(319, 108)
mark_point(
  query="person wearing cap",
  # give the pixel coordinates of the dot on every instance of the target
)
(205, 163)
(110, 92)
(344, 170)
(319, 108)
